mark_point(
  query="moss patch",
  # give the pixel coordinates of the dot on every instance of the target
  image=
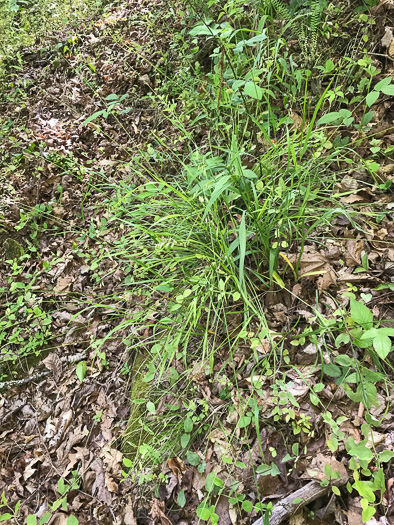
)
(12, 249)
(135, 435)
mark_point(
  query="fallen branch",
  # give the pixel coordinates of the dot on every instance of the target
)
(5, 385)
(286, 507)
(20, 382)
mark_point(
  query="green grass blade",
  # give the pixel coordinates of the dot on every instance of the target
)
(242, 250)
(222, 184)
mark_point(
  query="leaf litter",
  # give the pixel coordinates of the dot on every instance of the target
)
(57, 426)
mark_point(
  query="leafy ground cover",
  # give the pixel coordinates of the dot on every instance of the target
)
(197, 263)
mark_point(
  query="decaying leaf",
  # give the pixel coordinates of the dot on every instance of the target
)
(158, 513)
(347, 184)
(129, 516)
(313, 263)
(53, 363)
(98, 488)
(178, 467)
(387, 37)
(63, 283)
(353, 251)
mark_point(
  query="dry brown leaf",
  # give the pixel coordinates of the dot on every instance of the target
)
(346, 184)
(327, 279)
(53, 363)
(351, 199)
(129, 518)
(353, 251)
(344, 276)
(111, 484)
(29, 470)
(98, 488)
(82, 455)
(177, 466)
(313, 263)
(63, 283)
(113, 461)
(316, 469)
(387, 37)
(158, 513)
(75, 437)
(223, 511)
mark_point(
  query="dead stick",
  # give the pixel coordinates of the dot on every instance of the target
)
(286, 507)
(21, 382)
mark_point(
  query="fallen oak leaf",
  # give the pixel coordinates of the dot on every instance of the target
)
(99, 490)
(347, 184)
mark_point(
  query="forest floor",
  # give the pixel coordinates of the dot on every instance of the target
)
(197, 267)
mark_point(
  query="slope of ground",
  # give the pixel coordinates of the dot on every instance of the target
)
(197, 267)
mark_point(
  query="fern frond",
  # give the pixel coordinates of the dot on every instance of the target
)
(317, 8)
(305, 30)
(281, 9)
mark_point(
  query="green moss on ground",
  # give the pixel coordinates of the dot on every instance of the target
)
(12, 249)
(134, 435)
